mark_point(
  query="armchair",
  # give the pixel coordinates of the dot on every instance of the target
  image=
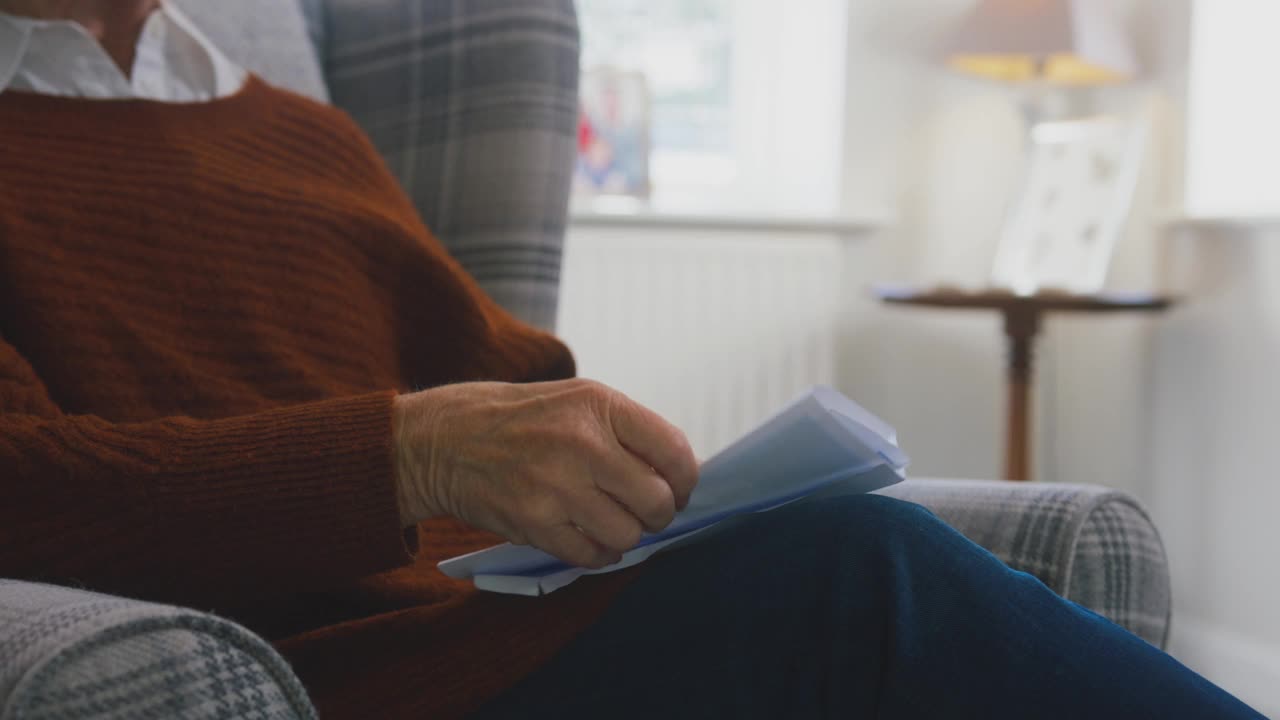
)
(474, 107)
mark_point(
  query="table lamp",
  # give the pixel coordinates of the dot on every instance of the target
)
(1051, 42)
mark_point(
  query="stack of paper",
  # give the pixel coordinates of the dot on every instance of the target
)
(820, 439)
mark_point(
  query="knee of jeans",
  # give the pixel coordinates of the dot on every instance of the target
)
(870, 522)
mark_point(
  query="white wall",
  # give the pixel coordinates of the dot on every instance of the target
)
(898, 363)
(1214, 409)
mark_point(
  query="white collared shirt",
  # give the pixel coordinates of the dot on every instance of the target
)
(174, 61)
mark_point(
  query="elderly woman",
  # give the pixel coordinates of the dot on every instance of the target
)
(214, 304)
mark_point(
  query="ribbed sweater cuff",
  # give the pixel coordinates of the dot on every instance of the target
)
(294, 498)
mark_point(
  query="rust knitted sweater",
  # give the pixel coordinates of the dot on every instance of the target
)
(205, 312)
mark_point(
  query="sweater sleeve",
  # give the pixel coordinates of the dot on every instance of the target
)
(202, 512)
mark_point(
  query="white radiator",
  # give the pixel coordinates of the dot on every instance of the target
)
(713, 331)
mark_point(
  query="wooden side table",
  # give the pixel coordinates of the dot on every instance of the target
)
(1022, 315)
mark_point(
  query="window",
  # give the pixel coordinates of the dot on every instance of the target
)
(747, 97)
(684, 49)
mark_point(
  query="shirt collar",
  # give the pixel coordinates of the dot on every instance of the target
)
(16, 37)
(227, 75)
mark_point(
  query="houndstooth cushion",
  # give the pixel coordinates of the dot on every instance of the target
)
(1091, 545)
(474, 106)
(74, 654)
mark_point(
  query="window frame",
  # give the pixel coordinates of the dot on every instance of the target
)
(787, 104)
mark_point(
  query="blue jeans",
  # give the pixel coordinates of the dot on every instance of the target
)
(853, 607)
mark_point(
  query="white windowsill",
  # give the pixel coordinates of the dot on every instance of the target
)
(1175, 221)
(847, 226)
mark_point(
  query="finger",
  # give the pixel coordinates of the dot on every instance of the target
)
(657, 443)
(568, 544)
(606, 522)
(638, 488)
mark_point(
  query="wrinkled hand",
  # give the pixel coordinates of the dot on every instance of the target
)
(572, 467)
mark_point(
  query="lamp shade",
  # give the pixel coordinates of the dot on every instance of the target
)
(1068, 42)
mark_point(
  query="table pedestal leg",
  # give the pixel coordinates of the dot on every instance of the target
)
(1020, 326)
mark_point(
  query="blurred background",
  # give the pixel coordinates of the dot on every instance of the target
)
(748, 176)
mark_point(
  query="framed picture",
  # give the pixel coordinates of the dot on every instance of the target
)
(613, 134)
(1072, 206)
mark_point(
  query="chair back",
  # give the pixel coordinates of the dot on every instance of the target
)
(472, 104)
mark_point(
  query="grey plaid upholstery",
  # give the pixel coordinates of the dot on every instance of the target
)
(1092, 545)
(474, 106)
(68, 654)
